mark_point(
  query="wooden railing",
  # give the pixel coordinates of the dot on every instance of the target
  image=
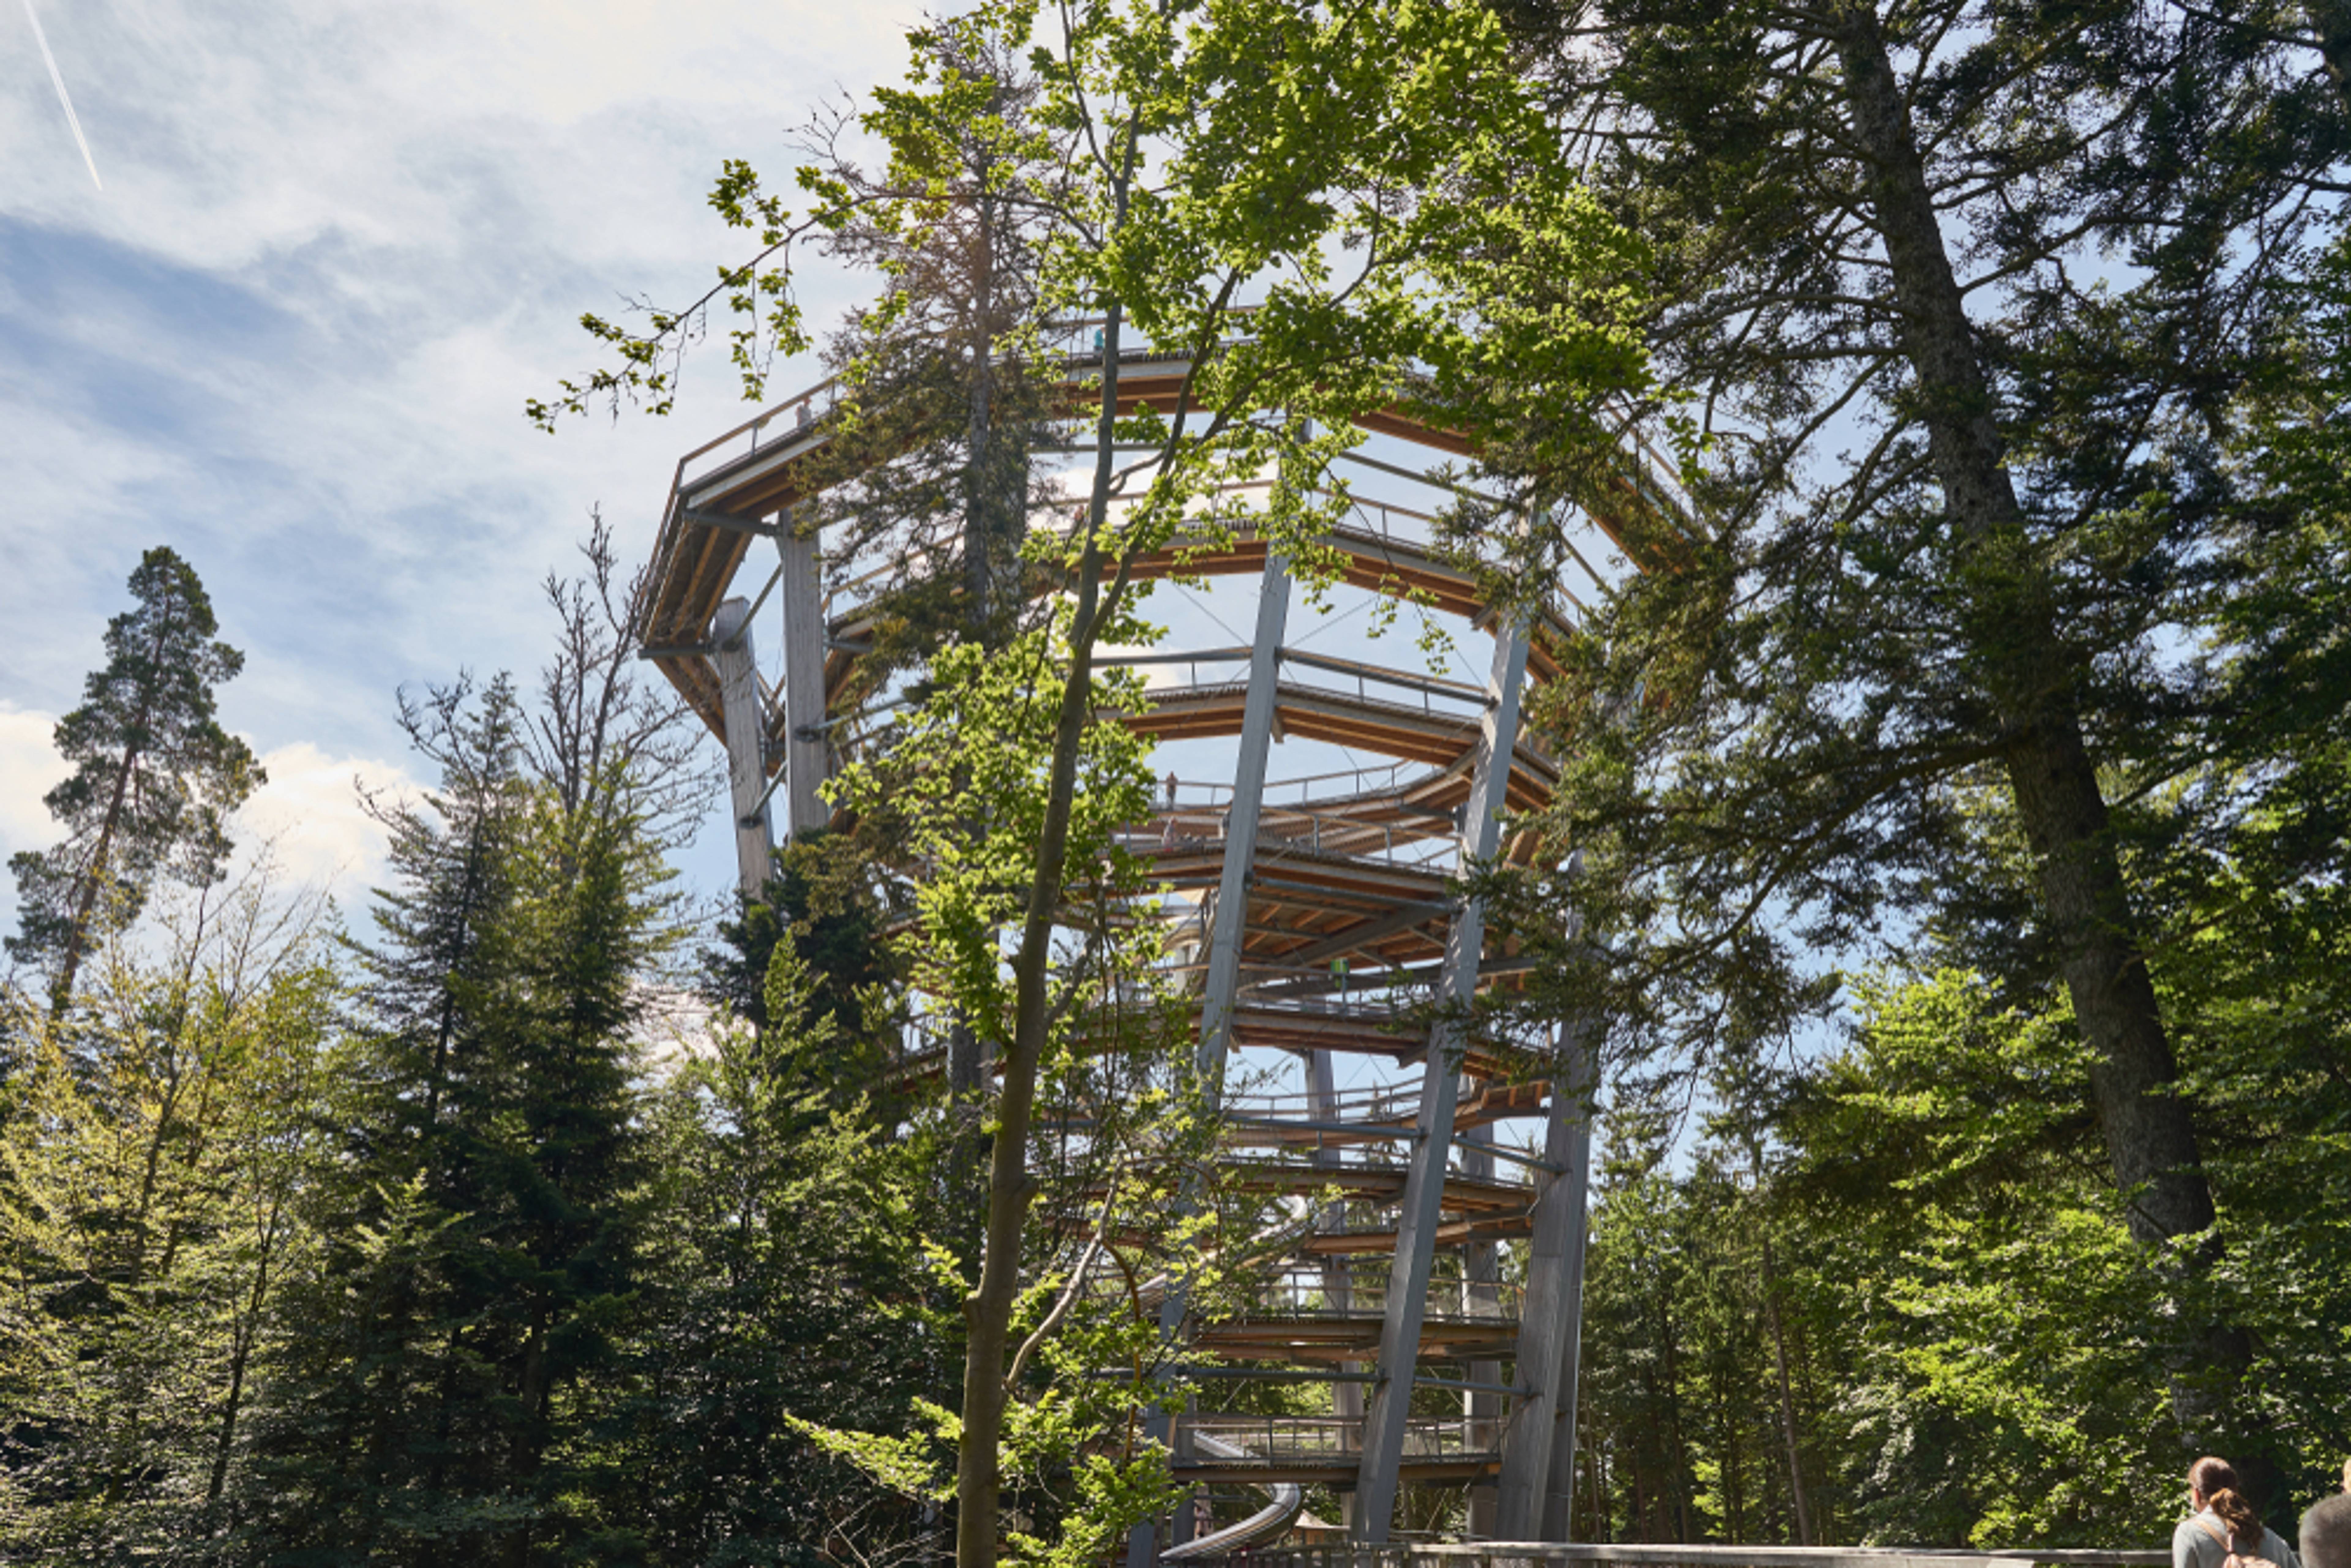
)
(1536, 1554)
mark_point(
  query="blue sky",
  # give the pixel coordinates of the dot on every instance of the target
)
(337, 246)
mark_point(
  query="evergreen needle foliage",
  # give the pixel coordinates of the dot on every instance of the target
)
(155, 777)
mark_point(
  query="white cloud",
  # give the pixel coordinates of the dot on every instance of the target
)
(340, 244)
(30, 768)
(310, 817)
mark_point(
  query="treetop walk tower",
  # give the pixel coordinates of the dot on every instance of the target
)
(1323, 791)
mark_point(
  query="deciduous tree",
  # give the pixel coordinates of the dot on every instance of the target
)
(151, 1171)
(1320, 211)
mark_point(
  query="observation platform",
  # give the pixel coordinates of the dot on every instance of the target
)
(725, 493)
(1318, 932)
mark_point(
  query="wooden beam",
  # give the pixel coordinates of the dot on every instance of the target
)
(729, 521)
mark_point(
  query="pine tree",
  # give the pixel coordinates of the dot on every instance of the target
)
(154, 777)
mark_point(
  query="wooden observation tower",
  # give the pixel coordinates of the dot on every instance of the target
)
(1324, 894)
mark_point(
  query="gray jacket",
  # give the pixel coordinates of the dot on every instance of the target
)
(2195, 1544)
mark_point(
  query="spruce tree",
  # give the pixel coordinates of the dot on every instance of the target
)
(154, 779)
(433, 1398)
(786, 1279)
(813, 914)
(374, 1398)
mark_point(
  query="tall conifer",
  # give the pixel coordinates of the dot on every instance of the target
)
(483, 1216)
(154, 779)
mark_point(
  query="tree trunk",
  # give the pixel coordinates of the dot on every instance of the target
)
(968, 1149)
(77, 934)
(1602, 1526)
(980, 516)
(987, 1311)
(968, 1137)
(2028, 673)
(1678, 1477)
(445, 1028)
(240, 1355)
(529, 1433)
(93, 881)
(1787, 1399)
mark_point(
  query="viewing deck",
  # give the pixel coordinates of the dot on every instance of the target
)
(1326, 1450)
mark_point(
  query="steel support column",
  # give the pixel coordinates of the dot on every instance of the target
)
(1229, 918)
(747, 739)
(1580, 1051)
(1538, 1446)
(1481, 1296)
(805, 748)
(1338, 1280)
(1423, 1193)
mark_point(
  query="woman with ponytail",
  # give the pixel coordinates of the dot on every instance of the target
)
(2223, 1530)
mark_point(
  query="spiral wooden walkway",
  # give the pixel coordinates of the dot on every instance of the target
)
(1321, 932)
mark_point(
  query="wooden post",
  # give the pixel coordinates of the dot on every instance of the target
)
(1424, 1192)
(806, 750)
(747, 745)
(1539, 1445)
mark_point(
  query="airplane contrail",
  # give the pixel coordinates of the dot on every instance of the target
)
(64, 98)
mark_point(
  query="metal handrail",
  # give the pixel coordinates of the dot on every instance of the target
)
(1319, 833)
(1272, 1440)
(828, 388)
(1302, 1291)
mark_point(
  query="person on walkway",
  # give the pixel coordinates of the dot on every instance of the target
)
(2326, 1531)
(2223, 1524)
